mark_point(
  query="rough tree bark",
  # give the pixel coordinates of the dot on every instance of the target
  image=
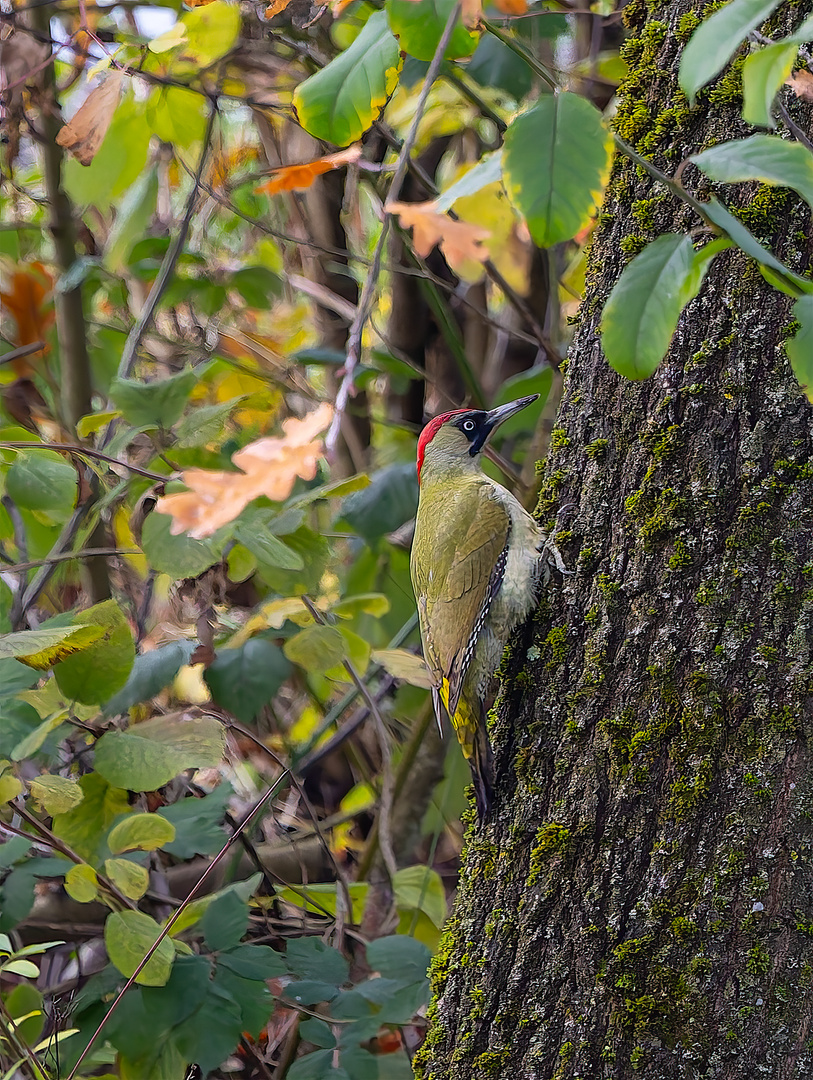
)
(641, 904)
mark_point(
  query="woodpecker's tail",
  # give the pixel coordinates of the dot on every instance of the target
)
(469, 721)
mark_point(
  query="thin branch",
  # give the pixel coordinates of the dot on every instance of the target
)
(371, 281)
(128, 356)
(71, 556)
(86, 451)
(386, 752)
(23, 350)
(175, 916)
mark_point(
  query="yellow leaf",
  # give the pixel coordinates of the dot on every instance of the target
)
(458, 240)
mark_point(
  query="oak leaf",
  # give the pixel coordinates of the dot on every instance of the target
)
(300, 177)
(458, 240)
(84, 133)
(276, 7)
(269, 467)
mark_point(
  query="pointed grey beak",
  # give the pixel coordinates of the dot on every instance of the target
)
(496, 416)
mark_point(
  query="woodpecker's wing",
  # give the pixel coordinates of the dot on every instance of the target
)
(464, 566)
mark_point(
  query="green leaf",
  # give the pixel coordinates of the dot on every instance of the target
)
(316, 648)
(151, 673)
(556, 161)
(85, 826)
(320, 898)
(24, 1000)
(337, 489)
(310, 958)
(397, 957)
(487, 171)
(128, 936)
(763, 74)
(178, 556)
(149, 755)
(154, 404)
(419, 25)
(257, 285)
(211, 32)
(643, 309)
(717, 39)
(340, 102)
(133, 217)
(253, 999)
(253, 962)
(10, 787)
(44, 481)
(82, 884)
(97, 672)
(176, 115)
(121, 159)
(225, 922)
(31, 743)
(747, 242)
(140, 832)
(496, 66)
(800, 347)
(128, 877)
(21, 967)
(389, 501)
(197, 823)
(357, 653)
(43, 648)
(211, 1033)
(266, 548)
(55, 794)
(349, 607)
(315, 1066)
(420, 888)
(243, 680)
(767, 158)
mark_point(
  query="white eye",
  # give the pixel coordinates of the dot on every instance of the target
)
(469, 425)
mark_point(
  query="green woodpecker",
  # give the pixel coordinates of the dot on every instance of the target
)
(475, 568)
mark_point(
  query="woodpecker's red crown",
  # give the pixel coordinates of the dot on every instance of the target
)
(475, 424)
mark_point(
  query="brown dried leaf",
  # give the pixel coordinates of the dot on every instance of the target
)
(801, 83)
(457, 239)
(83, 135)
(269, 467)
(471, 12)
(300, 177)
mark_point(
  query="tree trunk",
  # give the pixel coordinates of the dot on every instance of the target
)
(641, 903)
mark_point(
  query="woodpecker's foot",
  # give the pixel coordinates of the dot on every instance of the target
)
(551, 558)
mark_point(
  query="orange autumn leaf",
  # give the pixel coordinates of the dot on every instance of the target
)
(300, 177)
(84, 133)
(458, 240)
(511, 7)
(27, 298)
(268, 467)
(276, 7)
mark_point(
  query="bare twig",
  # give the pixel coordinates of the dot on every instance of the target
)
(71, 556)
(23, 350)
(386, 752)
(130, 350)
(371, 281)
(175, 916)
(86, 451)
